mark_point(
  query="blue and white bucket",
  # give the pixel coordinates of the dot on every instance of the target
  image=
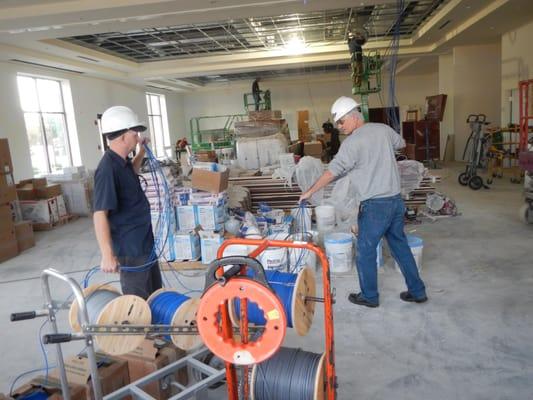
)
(339, 250)
(416, 244)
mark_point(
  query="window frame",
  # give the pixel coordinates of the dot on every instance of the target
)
(163, 118)
(40, 113)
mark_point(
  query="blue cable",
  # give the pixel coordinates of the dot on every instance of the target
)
(164, 306)
(46, 367)
(283, 285)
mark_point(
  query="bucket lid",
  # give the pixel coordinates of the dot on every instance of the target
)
(414, 241)
(338, 238)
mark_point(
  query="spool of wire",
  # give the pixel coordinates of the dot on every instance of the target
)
(106, 306)
(169, 307)
(290, 374)
(292, 290)
(38, 394)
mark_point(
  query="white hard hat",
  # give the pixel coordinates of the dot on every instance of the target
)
(120, 118)
(342, 106)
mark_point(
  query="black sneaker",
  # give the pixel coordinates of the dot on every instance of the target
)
(357, 298)
(406, 296)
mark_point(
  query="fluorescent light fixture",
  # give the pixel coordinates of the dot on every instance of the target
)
(160, 44)
(295, 46)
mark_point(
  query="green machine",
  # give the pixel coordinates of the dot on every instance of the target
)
(264, 104)
(366, 69)
(220, 137)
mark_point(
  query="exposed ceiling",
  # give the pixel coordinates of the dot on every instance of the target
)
(260, 33)
(184, 45)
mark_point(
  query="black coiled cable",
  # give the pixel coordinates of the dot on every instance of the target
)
(288, 375)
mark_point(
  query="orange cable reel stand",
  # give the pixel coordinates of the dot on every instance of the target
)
(222, 289)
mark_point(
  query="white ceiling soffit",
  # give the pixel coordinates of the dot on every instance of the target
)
(30, 30)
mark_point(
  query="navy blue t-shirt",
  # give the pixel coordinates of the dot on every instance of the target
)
(117, 190)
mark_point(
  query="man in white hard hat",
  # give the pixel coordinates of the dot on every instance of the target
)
(121, 210)
(367, 157)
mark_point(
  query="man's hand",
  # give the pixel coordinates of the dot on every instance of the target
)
(142, 140)
(304, 197)
(109, 264)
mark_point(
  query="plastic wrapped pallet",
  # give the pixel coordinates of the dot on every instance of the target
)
(411, 174)
(255, 153)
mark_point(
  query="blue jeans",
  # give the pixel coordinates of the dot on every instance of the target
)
(383, 217)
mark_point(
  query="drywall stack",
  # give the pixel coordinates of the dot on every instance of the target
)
(77, 188)
(16, 235)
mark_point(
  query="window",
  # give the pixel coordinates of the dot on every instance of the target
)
(42, 102)
(157, 118)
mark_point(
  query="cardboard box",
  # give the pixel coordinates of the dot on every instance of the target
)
(214, 182)
(147, 359)
(209, 243)
(113, 373)
(186, 246)
(206, 156)
(186, 217)
(313, 149)
(7, 226)
(48, 191)
(8, 193)
(16, 212)
(6, 164)
(52, 387)
(24, 235)
(8, 249)
(210, 218)
(34, 182)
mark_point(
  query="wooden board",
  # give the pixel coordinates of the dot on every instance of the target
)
(182, 265)
(124, 310)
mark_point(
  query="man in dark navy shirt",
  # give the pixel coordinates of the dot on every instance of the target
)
(121, 211)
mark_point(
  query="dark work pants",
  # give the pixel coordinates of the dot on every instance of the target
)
(140, 283)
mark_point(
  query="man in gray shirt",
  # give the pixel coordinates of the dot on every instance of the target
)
(367, 157)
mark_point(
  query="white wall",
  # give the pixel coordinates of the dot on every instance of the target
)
(446, 86)
(90, 96)
(516, 64)
(477, 88)
(313, 93)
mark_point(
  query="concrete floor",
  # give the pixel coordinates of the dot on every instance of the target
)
(472, 340)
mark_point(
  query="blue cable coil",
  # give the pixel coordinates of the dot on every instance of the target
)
(283, 285)
(35, 395)
(164, 306)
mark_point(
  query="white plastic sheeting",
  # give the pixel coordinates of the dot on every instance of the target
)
(308, 170)
(411, 174)
(255, 153)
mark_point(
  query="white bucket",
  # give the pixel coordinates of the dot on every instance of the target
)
(339, 250)
(416, 244)
(325, 218)
(300, 258)
(274, 257)
(302, 218)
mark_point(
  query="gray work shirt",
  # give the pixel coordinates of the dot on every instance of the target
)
(367, 157)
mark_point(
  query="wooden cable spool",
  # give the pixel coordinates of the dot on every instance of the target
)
(185, 315)
(121, 310)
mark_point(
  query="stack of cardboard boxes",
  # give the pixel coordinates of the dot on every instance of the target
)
(16, 235)
(42, 203)
(114, 373)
